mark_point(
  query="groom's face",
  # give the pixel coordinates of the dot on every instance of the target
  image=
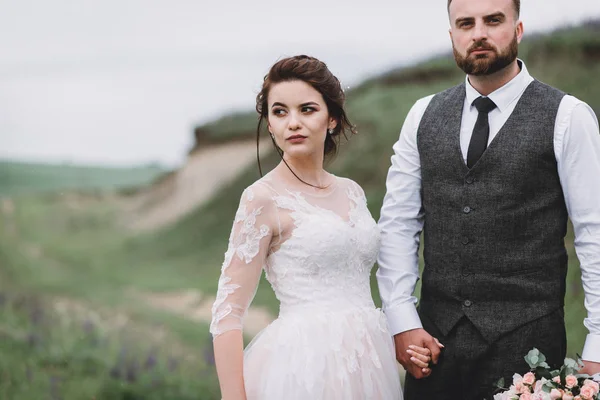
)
(485, 34)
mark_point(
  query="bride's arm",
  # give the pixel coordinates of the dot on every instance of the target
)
(230, 367)
(248, 248)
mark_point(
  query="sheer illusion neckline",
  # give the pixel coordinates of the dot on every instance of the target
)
(322, 192)
(346, 219)
(303, 188)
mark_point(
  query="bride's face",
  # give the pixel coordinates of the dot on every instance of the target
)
(298, 119)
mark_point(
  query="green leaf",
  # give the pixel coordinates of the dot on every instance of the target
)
(543, 373)
(542, 358)
(570, 363)
(500, 383)
(532, 357)
(547, 389)
(548, 386)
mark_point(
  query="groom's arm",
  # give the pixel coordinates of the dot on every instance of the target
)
(579, 171)
(401, 223)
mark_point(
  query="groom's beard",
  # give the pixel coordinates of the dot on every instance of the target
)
(486, 64)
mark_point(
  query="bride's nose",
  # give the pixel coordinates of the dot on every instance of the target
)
(294, 122)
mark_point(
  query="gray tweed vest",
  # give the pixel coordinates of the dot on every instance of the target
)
(494, 234)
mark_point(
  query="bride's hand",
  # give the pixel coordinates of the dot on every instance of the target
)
(421, 357)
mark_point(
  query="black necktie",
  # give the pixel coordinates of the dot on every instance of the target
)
(481, 132)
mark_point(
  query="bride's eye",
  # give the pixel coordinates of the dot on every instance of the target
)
(278, 112)
(308, 109)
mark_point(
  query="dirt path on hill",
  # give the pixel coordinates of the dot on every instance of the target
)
(205, 172)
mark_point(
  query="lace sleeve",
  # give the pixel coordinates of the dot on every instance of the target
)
(356, 193)
(246, 253)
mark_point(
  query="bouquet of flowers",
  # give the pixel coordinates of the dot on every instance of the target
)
(541, 383)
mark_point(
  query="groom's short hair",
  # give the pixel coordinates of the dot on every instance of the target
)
(516, 3)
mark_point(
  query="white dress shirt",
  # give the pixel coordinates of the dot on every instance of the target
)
(577, 151)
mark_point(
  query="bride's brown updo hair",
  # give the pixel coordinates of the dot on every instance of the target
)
(316, 74)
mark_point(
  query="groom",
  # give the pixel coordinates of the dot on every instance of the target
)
(490, 170)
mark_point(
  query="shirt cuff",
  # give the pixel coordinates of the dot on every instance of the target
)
(591, 349)
(402, 318)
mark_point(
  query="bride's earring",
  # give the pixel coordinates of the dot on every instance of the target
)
(330, 131)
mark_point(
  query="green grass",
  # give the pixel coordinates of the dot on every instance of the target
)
(48, 355)
(51, 248)
(18, 178)
(50, 252)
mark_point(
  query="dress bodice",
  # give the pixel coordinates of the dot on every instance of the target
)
(317, 250)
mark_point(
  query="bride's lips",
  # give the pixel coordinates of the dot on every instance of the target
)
(296, 138)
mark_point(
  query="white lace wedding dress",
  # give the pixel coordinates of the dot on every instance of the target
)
(329, 340)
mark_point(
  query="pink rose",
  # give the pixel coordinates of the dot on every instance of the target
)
(567, 396)
(571, 381)
(556, 379)
(508, 395)
(577, 398)
(593, 384)
(587, 392)
(519, 387)
(517, 378)
(529, 378)
(525, 396)
(556, 394)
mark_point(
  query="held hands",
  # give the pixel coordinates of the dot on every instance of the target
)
(590, 368)
(415, 350)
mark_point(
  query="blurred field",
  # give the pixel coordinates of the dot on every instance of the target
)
(18, 178)
(77, 316)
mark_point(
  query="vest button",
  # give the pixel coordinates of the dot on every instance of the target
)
(468, 303)
(465, 240)
(470, 179)
(467, 209)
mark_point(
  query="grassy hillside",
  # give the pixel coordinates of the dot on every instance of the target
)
(17, 178)
(53, 250)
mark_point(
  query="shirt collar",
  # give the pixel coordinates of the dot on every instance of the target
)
(508, 93)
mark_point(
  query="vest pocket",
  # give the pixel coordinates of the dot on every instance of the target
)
(523, 271)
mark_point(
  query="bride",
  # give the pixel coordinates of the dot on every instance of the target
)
(314, 237)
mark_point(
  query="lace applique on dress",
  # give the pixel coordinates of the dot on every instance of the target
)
(244, 246)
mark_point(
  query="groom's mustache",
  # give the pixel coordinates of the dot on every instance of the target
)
(480, 45)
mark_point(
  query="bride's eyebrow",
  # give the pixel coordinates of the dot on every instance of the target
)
(310, 103)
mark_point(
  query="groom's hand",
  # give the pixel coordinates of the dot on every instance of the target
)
(590, 368)
(421, 338)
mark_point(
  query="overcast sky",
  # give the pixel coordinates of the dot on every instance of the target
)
(124, 82)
